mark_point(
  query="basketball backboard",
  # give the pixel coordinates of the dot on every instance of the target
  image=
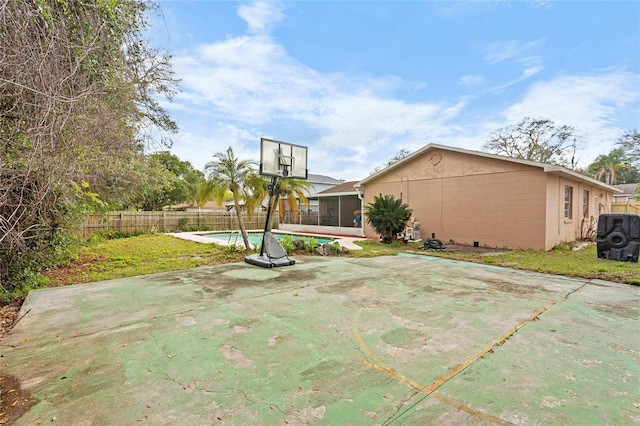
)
(282, 159)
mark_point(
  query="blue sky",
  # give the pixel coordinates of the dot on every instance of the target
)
(358, 81)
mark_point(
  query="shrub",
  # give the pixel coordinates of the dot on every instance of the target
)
(20, 272)
(310, 244)
(388, 216)
(287, 243)
(232, 248)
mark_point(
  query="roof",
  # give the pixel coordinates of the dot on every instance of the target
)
(346, 188)
(626, 188)
(548, 168)
(323, 179)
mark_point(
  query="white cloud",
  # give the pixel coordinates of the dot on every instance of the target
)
(590, 103)
(239, 89)
(252, 82)
(199, 147)
(501, 51)
(261, 16)
(526, 74)
(589, 100)
(472, 80)
(518, 53)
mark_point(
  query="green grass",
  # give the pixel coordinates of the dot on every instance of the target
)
(561, 260)
(147, 254)
(139, 255)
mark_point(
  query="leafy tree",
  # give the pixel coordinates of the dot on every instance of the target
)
(630, 145)
(79, 93)
(608, 167)
(287, 194)
(538, 140)
(169, 181)
(388, 216)
(228, 173)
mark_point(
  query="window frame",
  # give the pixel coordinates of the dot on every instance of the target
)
(585, 203)
(568, 202)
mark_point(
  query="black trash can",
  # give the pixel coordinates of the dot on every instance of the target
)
(618, 237)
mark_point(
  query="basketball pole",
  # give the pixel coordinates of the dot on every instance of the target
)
(272, 190)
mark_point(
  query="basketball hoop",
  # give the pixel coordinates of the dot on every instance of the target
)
(282, 159)
(278, 160)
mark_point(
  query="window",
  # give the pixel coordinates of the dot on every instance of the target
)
(585, 203)
(568, 202)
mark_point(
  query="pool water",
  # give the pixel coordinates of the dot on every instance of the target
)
(255, 239)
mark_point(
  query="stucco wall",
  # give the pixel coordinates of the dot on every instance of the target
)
(583, 222)
(467, 199)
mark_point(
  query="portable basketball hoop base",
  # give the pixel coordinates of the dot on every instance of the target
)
(277, 159)
(272, 254)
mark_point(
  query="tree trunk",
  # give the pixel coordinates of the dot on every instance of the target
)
(243, 231)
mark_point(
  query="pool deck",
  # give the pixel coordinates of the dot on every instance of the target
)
(393, 340)
(347, 242)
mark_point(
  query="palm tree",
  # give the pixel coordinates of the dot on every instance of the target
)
(288, 192)
(606, 166)
(388, 216)
(226, 173)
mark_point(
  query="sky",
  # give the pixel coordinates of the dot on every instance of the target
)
(358, 81)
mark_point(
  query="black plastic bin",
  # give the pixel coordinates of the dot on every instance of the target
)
(618, 237)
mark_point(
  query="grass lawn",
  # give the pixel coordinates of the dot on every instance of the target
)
(139, 255)
(146, 254)
(582, 263)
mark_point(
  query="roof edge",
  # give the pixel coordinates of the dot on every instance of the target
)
(547, 168)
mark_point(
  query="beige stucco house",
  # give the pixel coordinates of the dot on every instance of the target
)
(474, 197)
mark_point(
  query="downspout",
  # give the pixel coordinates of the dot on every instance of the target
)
(361, 198)
(561, 209)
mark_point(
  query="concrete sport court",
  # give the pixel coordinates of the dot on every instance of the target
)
(402, 340)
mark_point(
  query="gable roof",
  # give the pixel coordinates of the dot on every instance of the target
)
(328, 180)
(626, 188)
(346, 188)
(547, 168)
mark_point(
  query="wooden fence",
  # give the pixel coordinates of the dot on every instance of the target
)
(131, 222)
(626, 207)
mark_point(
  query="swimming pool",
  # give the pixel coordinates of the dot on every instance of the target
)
(255, 238)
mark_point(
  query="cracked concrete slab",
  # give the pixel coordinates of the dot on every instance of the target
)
(388, 341)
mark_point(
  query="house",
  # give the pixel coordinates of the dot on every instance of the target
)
(336, 209)
(624, 202)
(472, 197)
(626, 192)
(321, 183)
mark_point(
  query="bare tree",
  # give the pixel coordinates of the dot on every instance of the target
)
(77, 87)
(538, 140)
